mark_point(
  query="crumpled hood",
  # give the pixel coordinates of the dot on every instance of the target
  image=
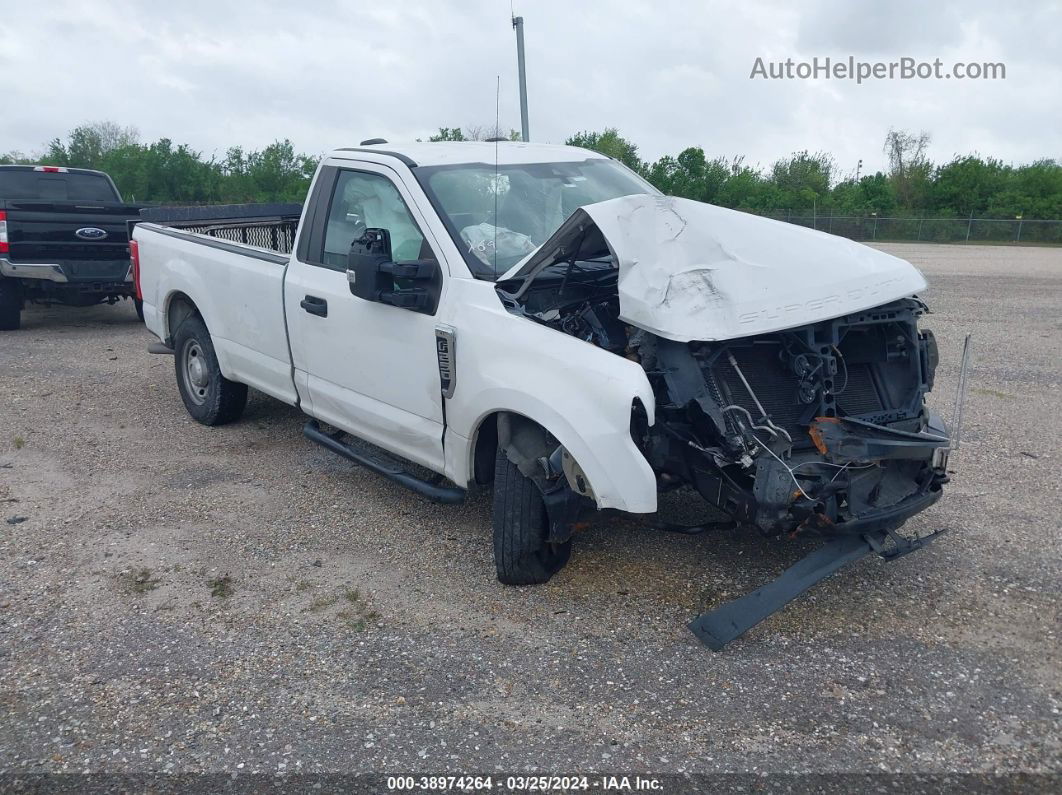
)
(694, 271)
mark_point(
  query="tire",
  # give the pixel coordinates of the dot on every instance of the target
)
(210, 397)
(138, 305)
(10, 305)
(521, 554)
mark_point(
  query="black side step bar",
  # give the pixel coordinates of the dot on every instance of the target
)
(334, 442)
(718, 627)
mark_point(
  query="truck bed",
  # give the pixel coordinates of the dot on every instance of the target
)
(238, 285)
(271, 226)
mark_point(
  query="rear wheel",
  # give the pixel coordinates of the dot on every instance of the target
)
(10, 305)
(210, 397)
(522, 555)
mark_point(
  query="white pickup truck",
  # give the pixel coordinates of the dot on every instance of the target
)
(541, 318)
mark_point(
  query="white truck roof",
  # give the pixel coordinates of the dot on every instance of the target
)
(445, 153)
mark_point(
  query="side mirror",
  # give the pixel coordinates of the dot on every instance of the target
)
(368, 254)
(373, 276)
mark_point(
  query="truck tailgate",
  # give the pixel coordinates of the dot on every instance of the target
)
(90, 242)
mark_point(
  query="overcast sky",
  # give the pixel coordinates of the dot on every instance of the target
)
(667, 74)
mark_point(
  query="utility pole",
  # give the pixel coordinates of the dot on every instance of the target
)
(518, 24)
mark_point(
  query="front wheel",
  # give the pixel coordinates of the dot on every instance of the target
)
(210, 397)
(522, 554)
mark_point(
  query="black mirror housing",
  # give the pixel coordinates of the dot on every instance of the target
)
(368, 255)
(373, 276)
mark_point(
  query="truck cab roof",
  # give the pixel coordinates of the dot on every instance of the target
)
(446, 153)
(56, 183)
(50, 169)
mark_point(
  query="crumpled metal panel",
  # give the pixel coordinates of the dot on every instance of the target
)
(694, 271)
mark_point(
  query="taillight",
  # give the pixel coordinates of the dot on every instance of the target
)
(51, 169)
(134, 263)
(4, 245)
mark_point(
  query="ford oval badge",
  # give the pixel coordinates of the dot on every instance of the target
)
(91, 233)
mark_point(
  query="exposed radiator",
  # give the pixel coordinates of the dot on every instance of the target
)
(777, 388)
(859, 395)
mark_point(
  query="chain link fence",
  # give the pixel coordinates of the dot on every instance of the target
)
(931, 230)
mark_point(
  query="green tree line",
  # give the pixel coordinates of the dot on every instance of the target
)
(803, 182)
(807, 182)
(168, 173)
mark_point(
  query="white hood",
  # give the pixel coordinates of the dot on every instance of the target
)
(694, 271)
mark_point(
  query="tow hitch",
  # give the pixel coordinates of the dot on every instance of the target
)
(718, 627)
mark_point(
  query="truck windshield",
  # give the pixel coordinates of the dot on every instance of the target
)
(56, 186)
(499, 215)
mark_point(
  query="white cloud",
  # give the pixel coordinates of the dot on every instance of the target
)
(668, 74)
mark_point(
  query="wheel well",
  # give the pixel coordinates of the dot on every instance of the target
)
(179, 308)
(525, 440)
(484, 450)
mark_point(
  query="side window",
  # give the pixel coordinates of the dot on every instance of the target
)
(361, 201)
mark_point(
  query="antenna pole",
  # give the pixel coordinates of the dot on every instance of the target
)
(518, 23)
(497, 118)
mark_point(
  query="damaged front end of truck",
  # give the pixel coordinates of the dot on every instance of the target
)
(788, 369)
(809, 428)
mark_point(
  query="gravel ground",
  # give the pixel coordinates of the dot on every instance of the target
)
(180, 598)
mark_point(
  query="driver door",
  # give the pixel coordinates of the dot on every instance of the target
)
(365, 367)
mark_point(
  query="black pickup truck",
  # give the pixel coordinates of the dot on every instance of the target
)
(64, 239)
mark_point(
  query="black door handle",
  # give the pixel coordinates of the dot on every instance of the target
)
(314, 305)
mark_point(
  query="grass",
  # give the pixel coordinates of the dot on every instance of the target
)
(359, 615)
(222, 587)
(994, 393)
(300, 586)
(19, 442)
(354, 619)
(322, 603)
(356, 614)
(138, 582)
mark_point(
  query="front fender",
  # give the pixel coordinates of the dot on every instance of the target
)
(578, 392)
(600, 443)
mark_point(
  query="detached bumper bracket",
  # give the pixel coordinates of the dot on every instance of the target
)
(901, 546)
(729, 621)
